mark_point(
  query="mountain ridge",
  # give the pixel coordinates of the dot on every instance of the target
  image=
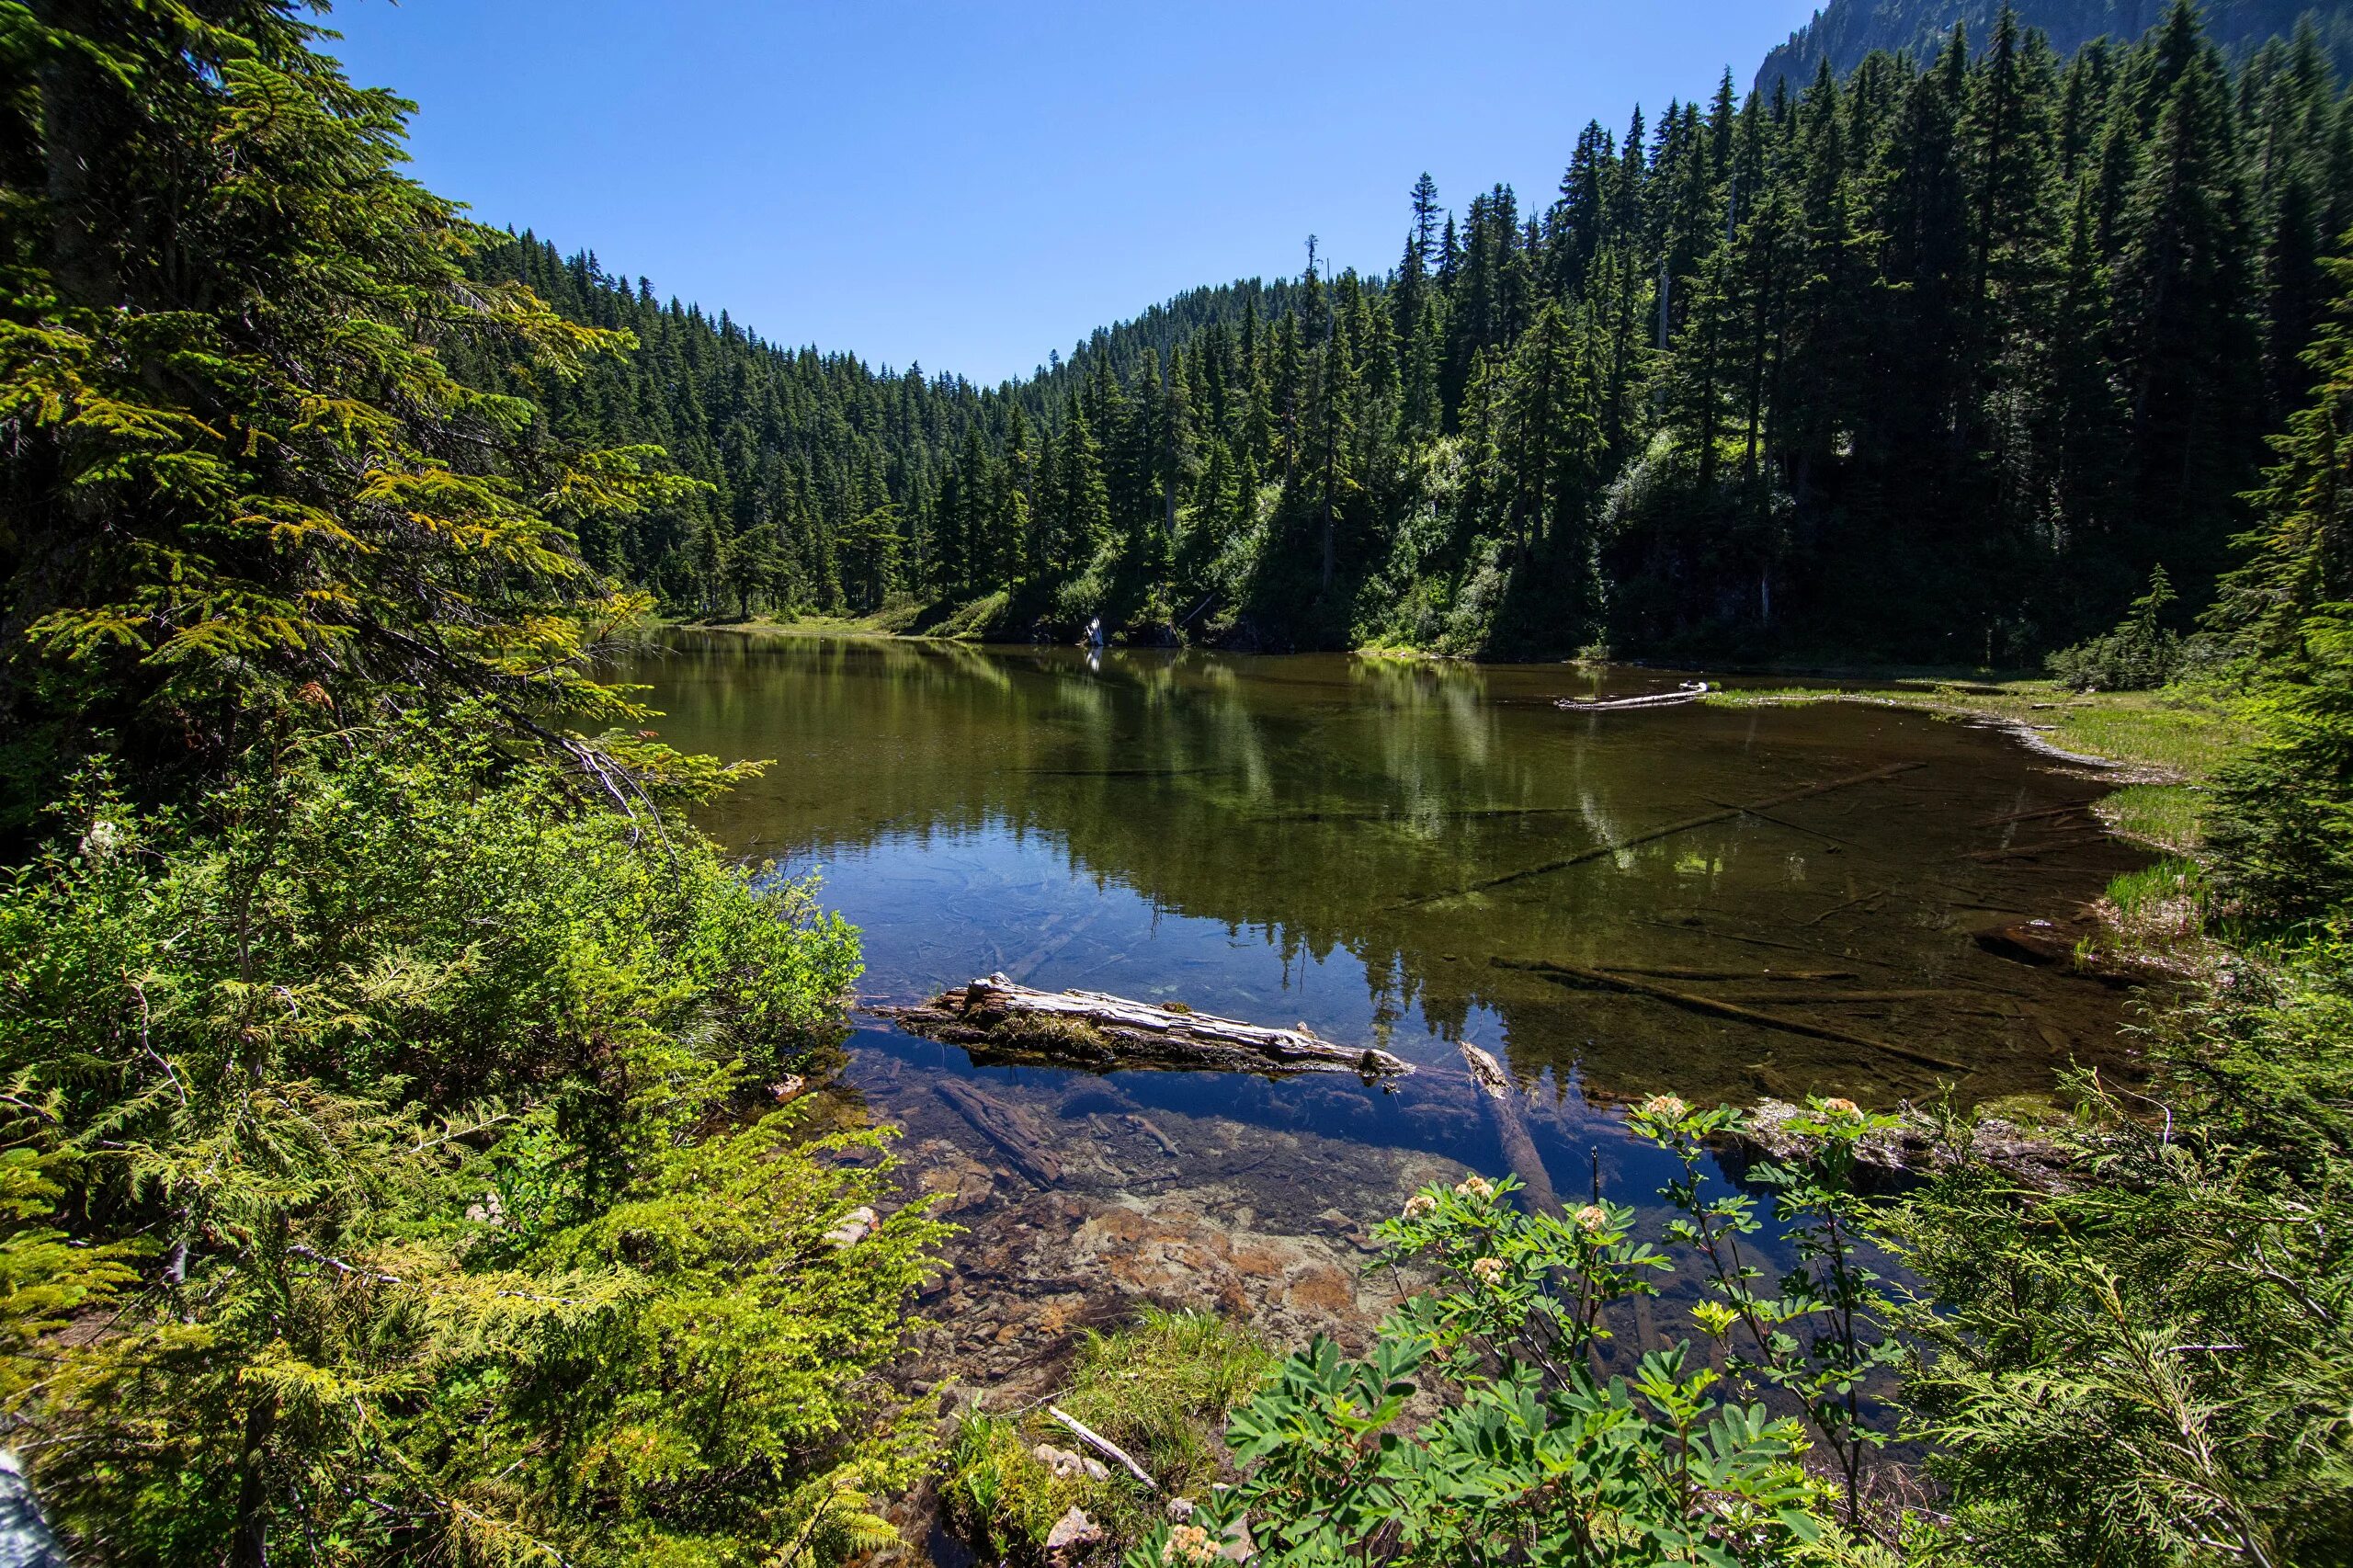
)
(1846, 31)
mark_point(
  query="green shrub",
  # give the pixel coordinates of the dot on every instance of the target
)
(426, 1094)
(1537, 1456)
(2149, 1369)
(2283, 823)
(2140, 654)
(1001, 1496)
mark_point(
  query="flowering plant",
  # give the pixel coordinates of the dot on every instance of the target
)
(1553, 1441)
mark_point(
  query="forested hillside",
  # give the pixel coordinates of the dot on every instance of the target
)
(1844, 31)
(1940, 361)
(819, 477)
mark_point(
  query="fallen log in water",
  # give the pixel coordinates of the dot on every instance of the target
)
(1598, 980)
(2039, 815)
(1653, 699)
(998, 1020)
(2040, 847)
(1669, 972)
(1500, 1096)
(1001, 1127)
(1600, 851)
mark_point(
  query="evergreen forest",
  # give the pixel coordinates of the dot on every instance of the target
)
(1844, 31)
(1936, 362)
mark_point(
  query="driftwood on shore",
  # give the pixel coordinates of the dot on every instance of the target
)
(998, 1020)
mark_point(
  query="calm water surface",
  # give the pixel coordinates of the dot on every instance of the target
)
(1307, 839)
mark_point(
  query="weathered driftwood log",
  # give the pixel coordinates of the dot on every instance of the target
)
(1652, 700)
(1500, 1096)
(998, 1020)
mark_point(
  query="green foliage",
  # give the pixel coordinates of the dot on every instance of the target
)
(2148, 1368)
(2283, 821)
(240, 463)
(417, 1081)
(1002, 1497)
(385, 1175)
(1815, 1336)
(1538, 1454)
(2140, 654)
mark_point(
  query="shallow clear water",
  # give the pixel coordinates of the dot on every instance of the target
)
(1302, 839)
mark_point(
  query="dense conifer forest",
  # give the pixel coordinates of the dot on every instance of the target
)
(1940, 361)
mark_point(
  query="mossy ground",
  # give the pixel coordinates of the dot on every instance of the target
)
(1051, 1033)
(1159, 1389)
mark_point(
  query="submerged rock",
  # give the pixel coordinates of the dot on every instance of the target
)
(1914, 1149)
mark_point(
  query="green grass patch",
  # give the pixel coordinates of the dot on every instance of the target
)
(2138, 893)
(2168, 816)
(1160, 1387)
(977, 621)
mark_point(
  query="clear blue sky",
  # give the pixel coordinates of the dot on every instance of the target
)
(969, 182)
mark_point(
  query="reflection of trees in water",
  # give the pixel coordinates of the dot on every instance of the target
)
(1312, 798)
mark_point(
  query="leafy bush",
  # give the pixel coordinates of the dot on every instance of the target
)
(417, 1089)
(1537, 1455)
(2140, 654)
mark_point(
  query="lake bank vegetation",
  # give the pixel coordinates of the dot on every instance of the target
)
(2143, 1365)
